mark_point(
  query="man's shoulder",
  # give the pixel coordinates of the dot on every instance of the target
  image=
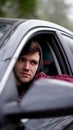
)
(63, 77)
(42, 75)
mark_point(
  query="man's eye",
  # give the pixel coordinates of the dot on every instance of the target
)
(21, 60)
(34, 63)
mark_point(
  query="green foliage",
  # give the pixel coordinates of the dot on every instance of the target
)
(18, 8)
(50, 10)
(54, 11)
(26, 8)
(2, 2)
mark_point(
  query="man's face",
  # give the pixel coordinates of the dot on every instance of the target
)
(26, 67)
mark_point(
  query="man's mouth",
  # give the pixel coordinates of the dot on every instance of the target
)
(25, 74)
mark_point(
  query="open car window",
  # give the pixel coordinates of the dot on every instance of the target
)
(49, 59)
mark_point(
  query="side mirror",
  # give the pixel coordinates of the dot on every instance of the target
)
(45, 98)
(49, 97)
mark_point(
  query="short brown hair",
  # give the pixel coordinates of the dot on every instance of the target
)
(31, 47)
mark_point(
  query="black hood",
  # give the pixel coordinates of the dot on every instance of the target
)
(40, 67)
(22, 89)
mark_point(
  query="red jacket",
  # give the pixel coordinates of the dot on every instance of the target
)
(59, 77)
(24, 87)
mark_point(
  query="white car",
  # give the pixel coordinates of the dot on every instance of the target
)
(57, 101)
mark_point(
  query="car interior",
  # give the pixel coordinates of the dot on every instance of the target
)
(49, 65)
(48, 60)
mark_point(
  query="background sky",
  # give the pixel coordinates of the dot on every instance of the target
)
(70, 13)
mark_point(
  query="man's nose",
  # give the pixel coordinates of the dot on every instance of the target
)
(26, 65)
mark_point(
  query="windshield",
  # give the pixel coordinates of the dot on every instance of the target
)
(6, 50)
(3, 29)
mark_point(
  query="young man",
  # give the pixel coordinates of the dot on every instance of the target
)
(27, 69)
(28, 65)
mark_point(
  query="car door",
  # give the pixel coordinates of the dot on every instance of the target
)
(49, 39)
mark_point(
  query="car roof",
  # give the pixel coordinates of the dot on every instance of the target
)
(38, 22)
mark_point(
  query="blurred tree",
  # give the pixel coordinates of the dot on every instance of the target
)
(26, 8)
(2, 2)
(50, 10)
(18, 8)
(54, 11)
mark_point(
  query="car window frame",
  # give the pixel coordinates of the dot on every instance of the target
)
(67, 51)
(15, 55)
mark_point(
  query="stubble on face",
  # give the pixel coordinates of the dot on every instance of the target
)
(26, 74)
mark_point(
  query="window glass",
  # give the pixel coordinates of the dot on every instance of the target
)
(49, 66)
(69, 42)
(4, 27)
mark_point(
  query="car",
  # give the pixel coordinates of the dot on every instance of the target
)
(53, 98)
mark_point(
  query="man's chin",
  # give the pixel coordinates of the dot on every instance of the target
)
(26, 81)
